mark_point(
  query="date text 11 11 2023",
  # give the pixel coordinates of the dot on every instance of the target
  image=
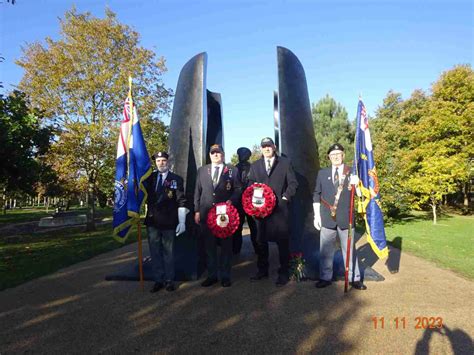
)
(403, 322)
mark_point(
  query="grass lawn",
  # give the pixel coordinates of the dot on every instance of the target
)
(18, 215)
(24, 215)
(34, 256)
(450, 243)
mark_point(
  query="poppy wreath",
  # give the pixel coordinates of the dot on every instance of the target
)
(230, 228)
(266, 209)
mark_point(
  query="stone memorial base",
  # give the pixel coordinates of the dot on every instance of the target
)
(310, 246)
(59, 221)
(190, 261)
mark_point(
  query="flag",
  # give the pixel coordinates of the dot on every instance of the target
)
(364, 168)
(132, 168)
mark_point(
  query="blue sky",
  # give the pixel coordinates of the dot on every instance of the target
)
(347, 48)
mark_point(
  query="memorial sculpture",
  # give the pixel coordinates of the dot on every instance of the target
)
(197, 123)
(294, 135)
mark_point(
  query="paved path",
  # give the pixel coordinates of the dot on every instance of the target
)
(75, 311)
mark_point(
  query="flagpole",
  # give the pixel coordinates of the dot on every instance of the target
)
(139, 229)
(355, 169)
(140, 254)
(349, 240)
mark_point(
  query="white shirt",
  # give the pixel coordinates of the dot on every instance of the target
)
(213, 168)
(340, 170)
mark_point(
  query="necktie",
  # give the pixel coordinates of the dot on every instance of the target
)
(215, 177)
(159, 183)
(269, 166)
(336, 179)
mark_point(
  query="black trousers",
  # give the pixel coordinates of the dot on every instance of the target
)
(216, 265)
(283, 252)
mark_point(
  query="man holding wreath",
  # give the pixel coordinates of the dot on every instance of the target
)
(216, 182)
(277, 173)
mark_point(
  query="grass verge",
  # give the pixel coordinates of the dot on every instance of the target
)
(32, 256)
(20, 215)
(449, 244)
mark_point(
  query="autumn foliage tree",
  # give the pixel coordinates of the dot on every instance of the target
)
(443, 140)
(80, 82)
(424, 145)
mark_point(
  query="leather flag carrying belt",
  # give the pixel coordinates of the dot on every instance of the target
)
(333, 208)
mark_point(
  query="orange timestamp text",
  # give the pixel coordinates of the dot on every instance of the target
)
(420, 322)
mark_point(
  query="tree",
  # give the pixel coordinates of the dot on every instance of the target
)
(442, 140)
(81, 80)
(392, 130)
(23, 141)
(331, 125)
(451, 119)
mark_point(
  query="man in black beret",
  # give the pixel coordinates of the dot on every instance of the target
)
(165, 220)
(243, 167)
(331, 203)
(277, 173)
(216, 182)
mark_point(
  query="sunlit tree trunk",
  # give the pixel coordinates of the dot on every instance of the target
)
(91, 202)
(4, 200)
(433, 207)
(466, 194)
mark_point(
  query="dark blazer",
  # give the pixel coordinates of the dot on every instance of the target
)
(228, 188)
(162, 211)
(244, 169)
(243, 173)
(325, 189)
(283, 182)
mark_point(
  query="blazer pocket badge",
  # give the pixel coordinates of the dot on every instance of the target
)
(228, 185)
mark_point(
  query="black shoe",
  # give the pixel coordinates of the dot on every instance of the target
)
(282, 280)
(156, 287)
(358, 285)
(226, 283)
(322, 284)
(208, 282)
(259, 275)
(170, 286)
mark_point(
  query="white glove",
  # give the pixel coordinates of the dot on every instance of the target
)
(354, 180)
(181, 228)
(317, 215)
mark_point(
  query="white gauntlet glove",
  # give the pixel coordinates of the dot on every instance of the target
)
(181, 228)
(354, 180)
(317, 215)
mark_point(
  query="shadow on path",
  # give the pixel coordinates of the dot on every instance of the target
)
(74, 310)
